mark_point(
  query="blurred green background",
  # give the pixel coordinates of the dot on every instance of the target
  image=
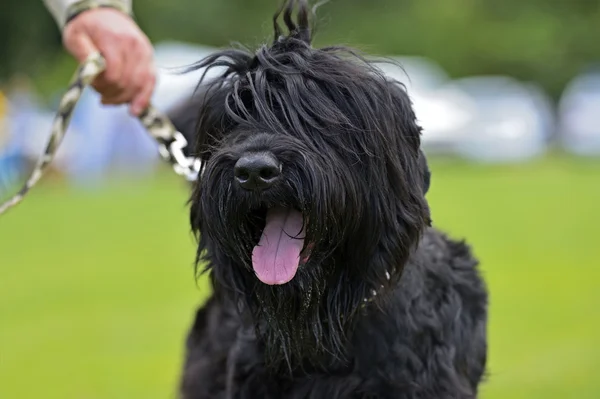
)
(97, 288)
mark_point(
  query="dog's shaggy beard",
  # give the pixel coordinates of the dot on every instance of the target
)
(290, 324)
(299, 323)
(349, 145)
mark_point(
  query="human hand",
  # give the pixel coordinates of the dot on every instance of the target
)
(130, 75)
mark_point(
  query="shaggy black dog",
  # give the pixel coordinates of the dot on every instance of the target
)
(328, 280)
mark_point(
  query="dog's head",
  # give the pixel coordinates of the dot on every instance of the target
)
(313, 187)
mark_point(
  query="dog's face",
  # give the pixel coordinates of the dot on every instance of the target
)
(313, 188)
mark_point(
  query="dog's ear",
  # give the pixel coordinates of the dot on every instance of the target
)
(425, 171)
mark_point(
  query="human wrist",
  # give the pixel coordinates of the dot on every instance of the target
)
(80, 6)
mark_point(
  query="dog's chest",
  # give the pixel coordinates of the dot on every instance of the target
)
(225, 360)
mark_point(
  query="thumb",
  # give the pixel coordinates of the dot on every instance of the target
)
(80, 45)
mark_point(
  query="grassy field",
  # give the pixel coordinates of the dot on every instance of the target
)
(97, 288)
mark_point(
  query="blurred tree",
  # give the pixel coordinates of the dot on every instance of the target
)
(543, 41)
(29, 37)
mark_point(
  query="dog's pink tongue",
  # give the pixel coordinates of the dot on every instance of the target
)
(275, 259)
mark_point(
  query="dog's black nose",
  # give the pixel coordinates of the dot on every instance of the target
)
(257, 170)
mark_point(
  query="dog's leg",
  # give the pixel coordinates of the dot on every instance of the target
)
(223, 359)
(204, 366)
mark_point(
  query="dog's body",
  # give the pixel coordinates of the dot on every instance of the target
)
(428, 341)
(328, 280)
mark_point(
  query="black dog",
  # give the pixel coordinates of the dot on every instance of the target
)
(328, 280)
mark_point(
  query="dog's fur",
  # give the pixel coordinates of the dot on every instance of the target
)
(350, 148)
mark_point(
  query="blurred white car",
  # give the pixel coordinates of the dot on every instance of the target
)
(491, 118)
(513, 121)
(442, 111)
(579, 115)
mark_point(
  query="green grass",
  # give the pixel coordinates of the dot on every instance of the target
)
(97, 288)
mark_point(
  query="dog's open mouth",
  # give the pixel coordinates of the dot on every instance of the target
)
(278, 254)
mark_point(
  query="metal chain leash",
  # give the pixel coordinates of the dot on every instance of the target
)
(171, 143)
